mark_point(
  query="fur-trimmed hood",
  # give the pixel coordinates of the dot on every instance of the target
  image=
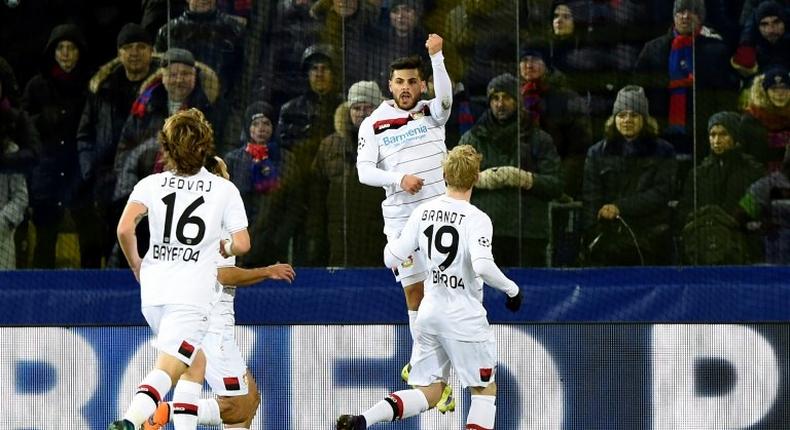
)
(342, 121)
(114, 66)
(207, 80)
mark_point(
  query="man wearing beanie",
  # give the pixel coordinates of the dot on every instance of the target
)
(770, 43)
(341, 205)
(720, 180)
(628, 178)
(111, 93)
(691, 57)
(520, 164)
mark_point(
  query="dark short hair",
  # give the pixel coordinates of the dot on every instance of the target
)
(408, 63)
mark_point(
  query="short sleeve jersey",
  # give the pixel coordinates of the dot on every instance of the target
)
(410, 142)
(186, 217)
(453, 233)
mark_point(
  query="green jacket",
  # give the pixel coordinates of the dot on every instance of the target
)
(516, 212)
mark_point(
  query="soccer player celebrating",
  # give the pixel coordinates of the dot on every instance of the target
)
(401, 148)
(451, 324)
(237, 397)
(187, 209)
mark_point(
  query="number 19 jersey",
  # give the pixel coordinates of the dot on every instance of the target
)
(186, 217)
(452, 233)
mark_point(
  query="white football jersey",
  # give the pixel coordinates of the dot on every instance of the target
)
(409, 142)
(452, 233)
(186, 217)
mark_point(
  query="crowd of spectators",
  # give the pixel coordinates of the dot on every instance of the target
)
(656, 131)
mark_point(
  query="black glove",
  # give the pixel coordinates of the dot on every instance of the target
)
(514, 303)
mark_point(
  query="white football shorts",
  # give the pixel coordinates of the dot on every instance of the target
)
(474, 362)
(179, 329)
(225, 366)
(414, 269)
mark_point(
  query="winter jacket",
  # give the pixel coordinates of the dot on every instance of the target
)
(765, 127)
(516, 212)
(54, 100)
(720, 180)
(214, 38)
(106, 110)
(637, 177)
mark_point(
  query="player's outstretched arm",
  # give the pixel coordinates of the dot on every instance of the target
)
(133, 213)
(443, 87)
(240, 277)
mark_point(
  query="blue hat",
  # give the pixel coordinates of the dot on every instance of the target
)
(777, 76)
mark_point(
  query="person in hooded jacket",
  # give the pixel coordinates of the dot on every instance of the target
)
(54, 99)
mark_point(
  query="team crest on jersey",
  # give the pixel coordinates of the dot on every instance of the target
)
(484, 242)
(417, 115)
(485, 374)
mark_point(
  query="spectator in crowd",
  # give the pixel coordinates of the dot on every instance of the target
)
(520, 175)
(710, 197)
(341, 205)
(766, 122)
(255, 166)
(766, 209)
(481, 34)
(771, 42)
(18, 149)
(747, 23)
(304, 122)
(628, 182)
(690, 58)
(558, 111)
(17, 131)
(593, 66)
(54, 99)
(111, 93)
(403, 36)
(347, 28)
(213, 37)
(293, 31)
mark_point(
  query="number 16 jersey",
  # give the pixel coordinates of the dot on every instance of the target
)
(186, 217)
(452, 233)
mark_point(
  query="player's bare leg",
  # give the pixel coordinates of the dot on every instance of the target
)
(238, 411)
